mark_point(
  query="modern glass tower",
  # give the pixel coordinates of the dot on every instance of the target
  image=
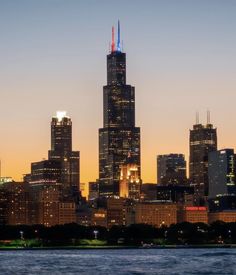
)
(222, 184)
(61, 150)
(222, 173)
(119, 139)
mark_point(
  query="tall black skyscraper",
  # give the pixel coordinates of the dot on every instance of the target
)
(119, 139)
(61, 150)
(202, 141)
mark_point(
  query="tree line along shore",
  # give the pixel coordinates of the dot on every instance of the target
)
(136, 235)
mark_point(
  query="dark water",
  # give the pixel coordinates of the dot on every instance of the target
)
(124, 261)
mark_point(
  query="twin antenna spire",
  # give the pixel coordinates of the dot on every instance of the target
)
(116, 47)
(208, 117)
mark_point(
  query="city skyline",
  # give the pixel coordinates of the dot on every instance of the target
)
(55, 76)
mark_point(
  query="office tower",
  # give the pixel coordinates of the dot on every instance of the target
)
(45, 204)
(202, 141)
(119, 138)
(171, 169)
(45, 171)
(221, 172)
(61, 150)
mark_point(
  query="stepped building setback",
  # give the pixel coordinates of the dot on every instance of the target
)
(119, 139)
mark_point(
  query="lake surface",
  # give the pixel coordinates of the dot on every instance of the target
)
(122, 261)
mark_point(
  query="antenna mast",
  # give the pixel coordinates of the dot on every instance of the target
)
(113, 40)
(118, 38)
(197, 117)
(208, 117)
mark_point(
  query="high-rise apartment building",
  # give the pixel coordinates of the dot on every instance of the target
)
(61, 150)
(18, 202)
(171, 169)
(202, 141)
(119, 139)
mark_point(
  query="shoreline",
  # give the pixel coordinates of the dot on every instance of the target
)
(119, 247)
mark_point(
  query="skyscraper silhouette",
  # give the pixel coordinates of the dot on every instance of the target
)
(202, 141)
(119, 139)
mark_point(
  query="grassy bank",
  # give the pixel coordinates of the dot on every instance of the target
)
(34, 244)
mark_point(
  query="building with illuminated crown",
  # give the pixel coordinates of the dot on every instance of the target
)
(119, 138)
(130, 181)
(61, 150)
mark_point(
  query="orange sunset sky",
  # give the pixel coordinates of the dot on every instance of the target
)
(181, 58)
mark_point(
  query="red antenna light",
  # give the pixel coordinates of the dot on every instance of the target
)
(113, 40)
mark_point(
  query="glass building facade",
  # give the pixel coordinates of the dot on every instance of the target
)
(222, 173)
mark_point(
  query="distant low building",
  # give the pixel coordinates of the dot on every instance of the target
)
(225, 216)
(156, 213)
(112, 211)
(5, 180)
(67, 212)
(149, 191)
(99, 217)
(221, 203)
(175, 193)
(193, 214)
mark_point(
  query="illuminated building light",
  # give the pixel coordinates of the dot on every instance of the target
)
(195, 208)
(118, 38)
(60, 115)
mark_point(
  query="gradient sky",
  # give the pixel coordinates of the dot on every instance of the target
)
(181, 57)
